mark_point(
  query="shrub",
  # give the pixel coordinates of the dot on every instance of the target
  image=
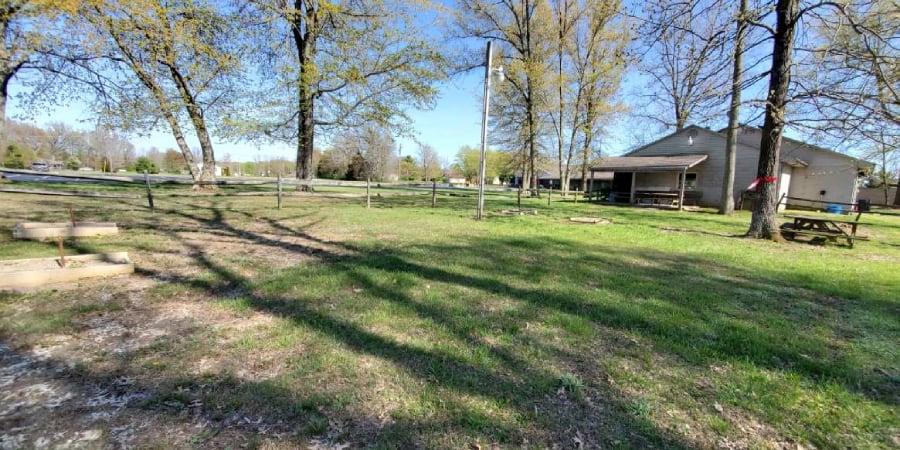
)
(145, 164)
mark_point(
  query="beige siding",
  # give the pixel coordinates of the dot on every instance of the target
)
(784, 184)
(656, 181)
(876, 195)
(710, 173)
(831, 172)
(834, 173)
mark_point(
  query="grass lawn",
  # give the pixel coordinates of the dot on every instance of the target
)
(325, 324)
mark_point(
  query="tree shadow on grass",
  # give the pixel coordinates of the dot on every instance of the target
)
(521, 385)
(724, 316)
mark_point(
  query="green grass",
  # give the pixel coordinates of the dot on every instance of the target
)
(663, 328)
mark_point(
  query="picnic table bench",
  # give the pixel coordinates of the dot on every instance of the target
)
(829, 228)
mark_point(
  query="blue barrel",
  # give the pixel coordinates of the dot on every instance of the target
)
(834, 209)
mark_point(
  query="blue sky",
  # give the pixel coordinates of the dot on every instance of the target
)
(454, 122)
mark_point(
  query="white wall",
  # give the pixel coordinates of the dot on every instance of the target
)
(784, 184)
(834, 173)
(656, 181)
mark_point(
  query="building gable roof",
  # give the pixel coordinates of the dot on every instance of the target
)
(806, 145)
(690, 130)
(649, 163)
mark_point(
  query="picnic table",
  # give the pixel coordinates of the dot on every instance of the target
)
(657, 198)
(829, 228)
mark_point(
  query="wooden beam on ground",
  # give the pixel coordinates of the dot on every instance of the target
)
(40, 272)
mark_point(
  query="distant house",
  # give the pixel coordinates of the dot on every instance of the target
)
(695, 158)
(455, 177)
(216, 169)
(551, 179)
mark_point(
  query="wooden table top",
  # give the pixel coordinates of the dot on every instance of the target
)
(822, 219)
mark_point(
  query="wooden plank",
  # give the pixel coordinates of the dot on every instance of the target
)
(66, 193)
(39, 272)
(43, 230)
(816, 233)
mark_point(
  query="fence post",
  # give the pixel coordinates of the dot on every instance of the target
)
(549, 193)
(279, 190)
(433, 192)
(149, 192)
(519, 198)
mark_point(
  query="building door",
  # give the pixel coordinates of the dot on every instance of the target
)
(784, 184)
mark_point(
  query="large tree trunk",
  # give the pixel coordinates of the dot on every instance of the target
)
(764, 221)
(208, 172)
(182, 144)
(5, 78)
(726, 204)
(304, 26)
(305, 143)
(897, 193)
(207, 176)
(4, 94)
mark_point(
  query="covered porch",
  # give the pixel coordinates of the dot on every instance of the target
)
(653, 180)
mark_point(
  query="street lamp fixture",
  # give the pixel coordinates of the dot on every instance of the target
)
(489, 72)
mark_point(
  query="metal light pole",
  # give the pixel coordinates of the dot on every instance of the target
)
(484, 124)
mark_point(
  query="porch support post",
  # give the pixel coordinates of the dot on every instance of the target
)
(681, 191)
(633, 182)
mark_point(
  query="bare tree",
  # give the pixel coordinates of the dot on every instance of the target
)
(847, 86)
(764, 223)
(685, 59)
(590, 58)
(726, 204)
(431, 162)
(789, 15)
(523, 29)
(598, 55)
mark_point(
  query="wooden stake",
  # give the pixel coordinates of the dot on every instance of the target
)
(62, 254)
(433, 192)
(71, 216)
(549, 193)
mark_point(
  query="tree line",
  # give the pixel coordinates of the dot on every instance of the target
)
(297, 71)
